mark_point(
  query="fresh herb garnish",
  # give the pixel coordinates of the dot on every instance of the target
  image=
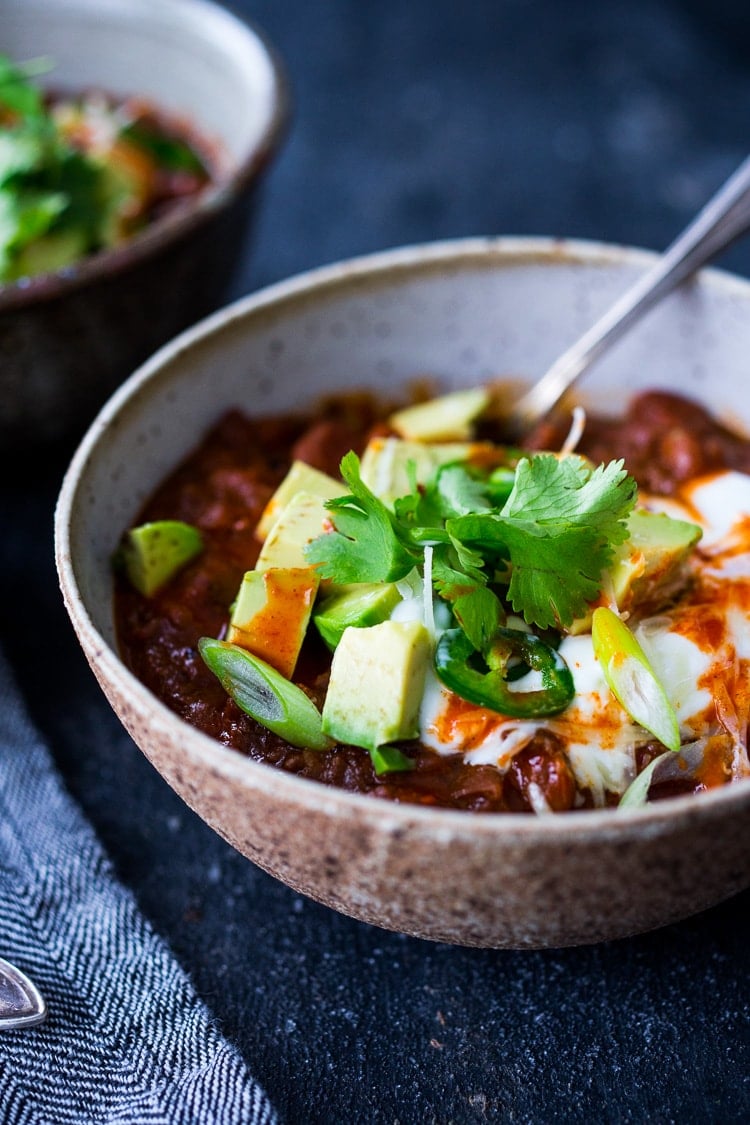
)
(17, 93)
(48, 189)
(368, 544)
(557, 530)
(543, 552)
(67, 188)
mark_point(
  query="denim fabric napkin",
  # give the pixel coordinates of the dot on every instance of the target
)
(126, 1038)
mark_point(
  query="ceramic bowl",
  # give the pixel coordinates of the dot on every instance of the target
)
(464, 312)
(68, 338)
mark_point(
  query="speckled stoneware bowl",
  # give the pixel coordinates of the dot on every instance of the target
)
(464, 311)
(68, 338)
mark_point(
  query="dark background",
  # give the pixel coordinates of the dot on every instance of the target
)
(416, 120)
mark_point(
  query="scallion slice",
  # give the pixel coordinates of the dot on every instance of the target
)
(636, 794)
(264, 694)
(631, 678)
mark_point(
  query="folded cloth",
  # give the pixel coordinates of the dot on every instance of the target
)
(126, 1038)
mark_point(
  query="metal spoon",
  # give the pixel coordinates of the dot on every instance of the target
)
(21, 1003)
(724, 218)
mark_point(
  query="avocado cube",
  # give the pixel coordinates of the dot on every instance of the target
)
(271, 614)
(376, 685)
(300, 478)
(446, 418)
(154, 552)
(53, 251)
(303, 519)
(359, 605)
(649, 567)
(649, 563)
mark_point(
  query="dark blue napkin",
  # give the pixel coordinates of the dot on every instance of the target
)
(126, 1039)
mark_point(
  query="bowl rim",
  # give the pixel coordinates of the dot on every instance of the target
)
(497, 251)
(186, 219)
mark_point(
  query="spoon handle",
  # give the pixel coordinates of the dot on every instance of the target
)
(724, 218)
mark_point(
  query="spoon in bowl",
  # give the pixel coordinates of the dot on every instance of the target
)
(717, 225)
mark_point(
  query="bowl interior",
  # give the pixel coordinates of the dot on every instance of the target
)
(190, 57)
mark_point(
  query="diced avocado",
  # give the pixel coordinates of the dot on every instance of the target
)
(153, 553)
(53, 251)
(300, 478)
(271, 614)
(648, 568)
(376, 685)
(359, 605)
(447, 418)
(385, 463)
(649, 563)
(303, 519)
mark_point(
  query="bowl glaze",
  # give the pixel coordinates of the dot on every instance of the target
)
(68, 338)
(464, 312)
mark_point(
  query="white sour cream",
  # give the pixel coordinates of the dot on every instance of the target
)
(699, 649)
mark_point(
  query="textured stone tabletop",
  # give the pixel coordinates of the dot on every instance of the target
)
(417, 120)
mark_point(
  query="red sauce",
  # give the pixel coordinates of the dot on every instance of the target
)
(223, 487)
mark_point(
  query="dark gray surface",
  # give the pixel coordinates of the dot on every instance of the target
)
(415, 121)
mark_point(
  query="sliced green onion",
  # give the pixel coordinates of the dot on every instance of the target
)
(389, 759)
(631, 678)
(636, 794)
(264, 694)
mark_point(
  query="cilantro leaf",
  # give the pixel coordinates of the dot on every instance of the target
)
(480, 614)
(56, 203)
(548, 488)
(366, 545)
(449, 578)
(555, 571)
(554, 536)
(476, 608)
(22, 152)
(560, 524)
(420, 508)
(470, 561)
(459, 491)
(17, 94)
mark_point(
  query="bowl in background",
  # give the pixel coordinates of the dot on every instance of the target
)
(68, 338)
(465, 312)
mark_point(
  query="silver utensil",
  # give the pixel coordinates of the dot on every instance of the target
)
(21, 1003)
(724, 218)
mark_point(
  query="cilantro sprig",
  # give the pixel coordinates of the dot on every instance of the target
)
(369, 544)
(542, 553)
(51, 195)
(555, 534)
(63, 197)
(17, 94)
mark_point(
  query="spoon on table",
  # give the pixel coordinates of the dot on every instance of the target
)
(724, 218)
(21, 1003)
